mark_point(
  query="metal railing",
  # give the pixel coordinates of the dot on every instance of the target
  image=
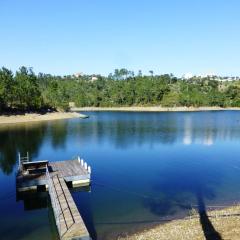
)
(21, 160)
(66, 200)
(55, 204)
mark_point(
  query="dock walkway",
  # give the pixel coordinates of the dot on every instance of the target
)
(54, 176)
(68, 219)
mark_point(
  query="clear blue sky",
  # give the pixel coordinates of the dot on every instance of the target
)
(97, 36)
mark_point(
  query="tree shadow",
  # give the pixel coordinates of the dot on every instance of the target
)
(182, 188)
(208, 229)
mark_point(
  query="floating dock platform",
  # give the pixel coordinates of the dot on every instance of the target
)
(32, 175)
(56, 177)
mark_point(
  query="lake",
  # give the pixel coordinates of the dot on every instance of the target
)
(146, 168)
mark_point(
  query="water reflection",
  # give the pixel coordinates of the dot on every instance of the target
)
(29, 138)
(187, 135)
(149, 166)
(59, 134)
(128, 129)
(19, 138)
(191, 133)
(123, 130)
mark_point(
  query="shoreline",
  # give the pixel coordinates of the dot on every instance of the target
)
(74, 113)
(224, 222)
(154, 109)
(36, 117)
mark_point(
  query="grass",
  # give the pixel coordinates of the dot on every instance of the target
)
(216, 225)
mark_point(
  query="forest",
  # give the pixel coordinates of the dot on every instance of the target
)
(26, 91)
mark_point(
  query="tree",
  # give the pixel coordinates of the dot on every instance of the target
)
(233, 96)
(6, 88)
(151, 73)
(28, 95)
(139, 73)
(25, 91)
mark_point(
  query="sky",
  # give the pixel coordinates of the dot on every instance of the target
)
(96, 36)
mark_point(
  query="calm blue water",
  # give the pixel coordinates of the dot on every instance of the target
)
(147, 167)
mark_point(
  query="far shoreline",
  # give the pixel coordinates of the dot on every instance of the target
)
(153, 109)
(75, 112)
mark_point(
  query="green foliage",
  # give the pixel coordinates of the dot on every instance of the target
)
(27, 95)
(6, 88)
(233, 96)
(25, 91)
(171, 99)
(55, 95)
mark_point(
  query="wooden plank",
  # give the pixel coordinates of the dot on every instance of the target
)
(71, 222)
(68, 168)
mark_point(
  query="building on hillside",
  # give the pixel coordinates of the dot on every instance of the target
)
(187, 76)
(93, 78)
(79, 74)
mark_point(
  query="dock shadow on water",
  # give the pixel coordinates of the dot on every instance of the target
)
(35, 200)
(81, 197)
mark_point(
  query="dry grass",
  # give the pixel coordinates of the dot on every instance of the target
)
(226, 222)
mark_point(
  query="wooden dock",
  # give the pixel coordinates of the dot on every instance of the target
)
(74, 172)
(54, 176)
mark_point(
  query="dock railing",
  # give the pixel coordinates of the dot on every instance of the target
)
(21, 160)
(53, 197)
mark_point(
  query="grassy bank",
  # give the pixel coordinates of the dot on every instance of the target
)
(217, 225)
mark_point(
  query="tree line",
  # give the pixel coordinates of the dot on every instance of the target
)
(26, 91)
